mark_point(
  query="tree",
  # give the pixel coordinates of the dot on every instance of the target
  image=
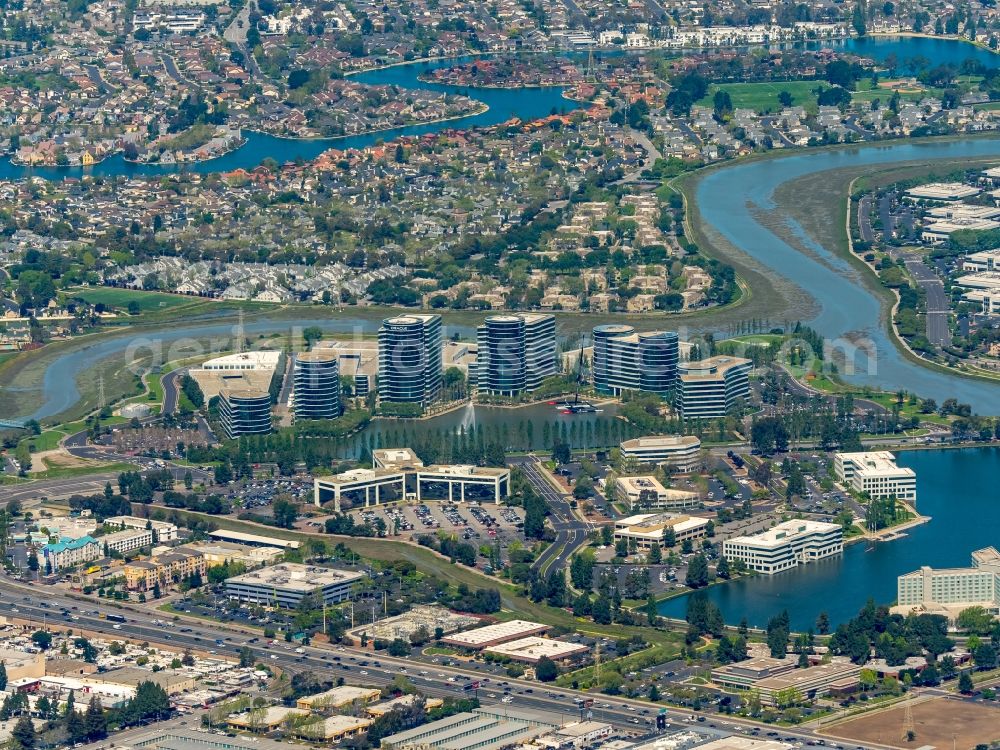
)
(858, 20)
(965, 684)
(785, 99)
(777, 635)
(3, 676)
(247, 657)
(94, 721)
(697, 572)
(24, 733)
(398, 647)
(76, 727)
(42, 639)
(150, 702)
(823, 623)
(546, 670)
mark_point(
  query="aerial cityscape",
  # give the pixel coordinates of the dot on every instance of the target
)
(510, 375)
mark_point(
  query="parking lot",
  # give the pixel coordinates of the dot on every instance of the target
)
(260, 493)
(472, 522)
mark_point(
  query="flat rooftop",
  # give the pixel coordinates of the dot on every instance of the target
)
(786, 531)
(295, 577)
(662, 442)
(943, 191)
(533, 648)
(496, 633)
(255, 539)
(828, 673)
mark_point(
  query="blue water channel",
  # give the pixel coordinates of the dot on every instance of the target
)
(726, 198)
(957, 488)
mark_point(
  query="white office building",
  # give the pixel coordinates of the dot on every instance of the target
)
(646, 493)
(786, 545)
(876, 474)
(680, 452)
(645, 530)
(285, 585)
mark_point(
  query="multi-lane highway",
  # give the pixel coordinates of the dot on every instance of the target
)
(571, 532)
(45, 607)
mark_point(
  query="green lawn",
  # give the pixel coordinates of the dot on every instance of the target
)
(119, 298)
(47, 441)
(763, 97)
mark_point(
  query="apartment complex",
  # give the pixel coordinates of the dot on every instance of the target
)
(409, 359)
(285, 585)
(164, 570)
(876, 474)
(244, 412)
(786, 545)
(515, 353)
(164, 530)
(680, 452)
(711, 388)
(315, 386)
(628, 361)
(950, 590)
(645, 530)
(646, 493)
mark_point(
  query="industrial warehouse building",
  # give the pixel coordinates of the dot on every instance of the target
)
(492, 635)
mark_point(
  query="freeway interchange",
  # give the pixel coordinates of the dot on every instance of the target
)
(44, 609)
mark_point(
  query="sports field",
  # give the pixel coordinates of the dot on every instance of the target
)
(763, 97)
(120, 298)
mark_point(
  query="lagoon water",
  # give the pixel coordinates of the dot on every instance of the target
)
(957, 488)
(724, 198)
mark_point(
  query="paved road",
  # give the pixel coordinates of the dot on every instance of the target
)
(938, 309)
(865, 219)
(652, 154)
(171, 387)
(357, 666)
(571, 532)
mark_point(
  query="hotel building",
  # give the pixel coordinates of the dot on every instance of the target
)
(680, 452)
(409, 359)
(515, 353)
(285, 585)
(628, 361)
(953, 589)
(128, 540)
(68, 552)
(245, 412)
(164, 530)
(876, 474)
(163, 569)
(315, 386)
(710, 388)
(786, 545)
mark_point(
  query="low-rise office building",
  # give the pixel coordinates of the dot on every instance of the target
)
(786, 545)
(398, 475)
(808, 683)
(163, 530)
(743, 675)
(876, 474)
(220, 553)
(646, 493)
(680, 452)
(332, 728)
(713, 387)
(645, 530)
(338, 697)
(127, 540)
(402, 702)
(285, 585)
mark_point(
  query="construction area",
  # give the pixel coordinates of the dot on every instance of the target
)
(939, 722)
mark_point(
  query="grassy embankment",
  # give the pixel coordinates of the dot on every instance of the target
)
(430, 563)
